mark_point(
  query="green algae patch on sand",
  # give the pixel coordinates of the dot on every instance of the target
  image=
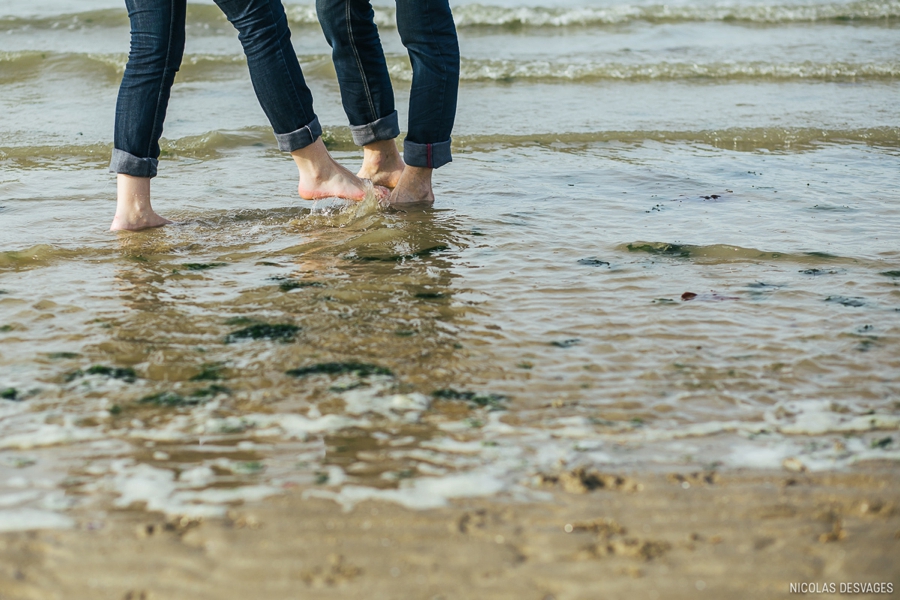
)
(593, 261)
(340, 368)
(425, 252)
(126, 374)
(203, 266)
(291, 284)
(491, 401)
(210, 391)
(10, 394)
(893, 274)
(279, 332)
(62, 355)
(852, 301)
(170, 400)
(209, 372)
(660, 249)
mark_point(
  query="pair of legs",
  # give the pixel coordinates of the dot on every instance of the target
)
(427, 31)
(157, 48)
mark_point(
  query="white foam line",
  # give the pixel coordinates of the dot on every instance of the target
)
(25, 519)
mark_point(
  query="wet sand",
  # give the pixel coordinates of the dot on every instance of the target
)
(673, 535)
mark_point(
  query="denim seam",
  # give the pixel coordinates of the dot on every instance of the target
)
(362, 72)
(441, 52)
(165, 73)
(286, 69)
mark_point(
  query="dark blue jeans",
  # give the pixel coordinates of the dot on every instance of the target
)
(157, 47)
(427, 30)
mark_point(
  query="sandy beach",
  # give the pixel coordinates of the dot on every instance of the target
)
(676, 535)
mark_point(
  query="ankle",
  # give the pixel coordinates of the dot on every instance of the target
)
(382, 155)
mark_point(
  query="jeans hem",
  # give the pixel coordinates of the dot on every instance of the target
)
(300, 138)
(431, 156)
(385, 128)
(129, 164)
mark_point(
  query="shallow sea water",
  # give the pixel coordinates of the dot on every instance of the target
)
(668, 239)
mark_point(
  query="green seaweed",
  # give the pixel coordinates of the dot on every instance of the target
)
(661, 249)
(430, 295)
(287, 286)
(853, 301)
(402, 257)
(820, 254)
(565, 343)
(240, 321)
(209, 392)
(169, 399)
(115, 409)
(593, 261)
(492, 401)
(882, 443)
(815, 272)
(203, 266)
(340, 368)
(62, 355)
(5, 328)
(10, 394)
(126, 374)
(209, 372)
(281, 332)
(891, 273)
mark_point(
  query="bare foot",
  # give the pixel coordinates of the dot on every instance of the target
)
(322, 177)
(414, 187)
(133, 210)
(382, 164)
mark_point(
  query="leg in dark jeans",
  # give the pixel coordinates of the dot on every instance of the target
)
(156, 51)
(157, 46)
(277, 79)
(366, 91)
(427, 30)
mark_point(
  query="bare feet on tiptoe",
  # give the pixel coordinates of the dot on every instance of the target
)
(322, 177)
(414, 187)
(133, 210)
(382, 164)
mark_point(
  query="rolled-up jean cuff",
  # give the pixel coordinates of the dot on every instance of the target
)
(301, 138)
(385, 128)
(430, 156)
(129, 164)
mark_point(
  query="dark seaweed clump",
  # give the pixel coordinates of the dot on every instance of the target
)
(661, 249)
(891, 273)
(847, 300)
(291, 284)
(565, 343)
(281, 332)
(169, 399)
(431, 295)
(593, 261)
(126, 374)
(815, 272)
(208, 372)
(10, 394)
(492, 401)
(402, 257)
(61, 355)
(209, 392)
(340, 368)
(202, 266)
